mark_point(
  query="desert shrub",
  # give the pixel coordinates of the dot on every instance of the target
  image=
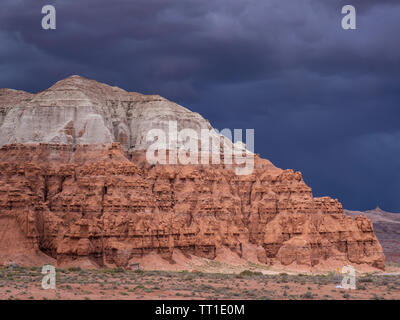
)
(365, 279)
(307, 295)
(249, 273)
(138, 271)
(74, 269)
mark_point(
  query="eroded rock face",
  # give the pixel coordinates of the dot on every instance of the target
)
(75, 181)
(96, 202)
(82, 111)
(386, 228)
(9, 98)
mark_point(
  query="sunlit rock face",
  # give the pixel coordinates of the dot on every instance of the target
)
(82, 111)
(75, 183)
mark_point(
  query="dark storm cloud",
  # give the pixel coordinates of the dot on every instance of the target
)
(321, 99)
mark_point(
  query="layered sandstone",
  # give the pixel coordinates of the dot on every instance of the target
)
(82, 111)
(386, 228)
(75, 183)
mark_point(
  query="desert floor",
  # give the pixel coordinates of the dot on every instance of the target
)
(74, 283)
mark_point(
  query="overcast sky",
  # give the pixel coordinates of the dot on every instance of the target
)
(322, 100)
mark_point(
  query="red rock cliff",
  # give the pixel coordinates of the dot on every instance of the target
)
(103, 203)
(74, 183)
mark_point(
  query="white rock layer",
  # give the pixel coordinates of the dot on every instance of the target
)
(82, 111)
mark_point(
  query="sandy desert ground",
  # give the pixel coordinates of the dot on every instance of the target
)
(74, 283)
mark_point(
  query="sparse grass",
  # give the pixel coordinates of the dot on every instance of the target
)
(74, 283)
